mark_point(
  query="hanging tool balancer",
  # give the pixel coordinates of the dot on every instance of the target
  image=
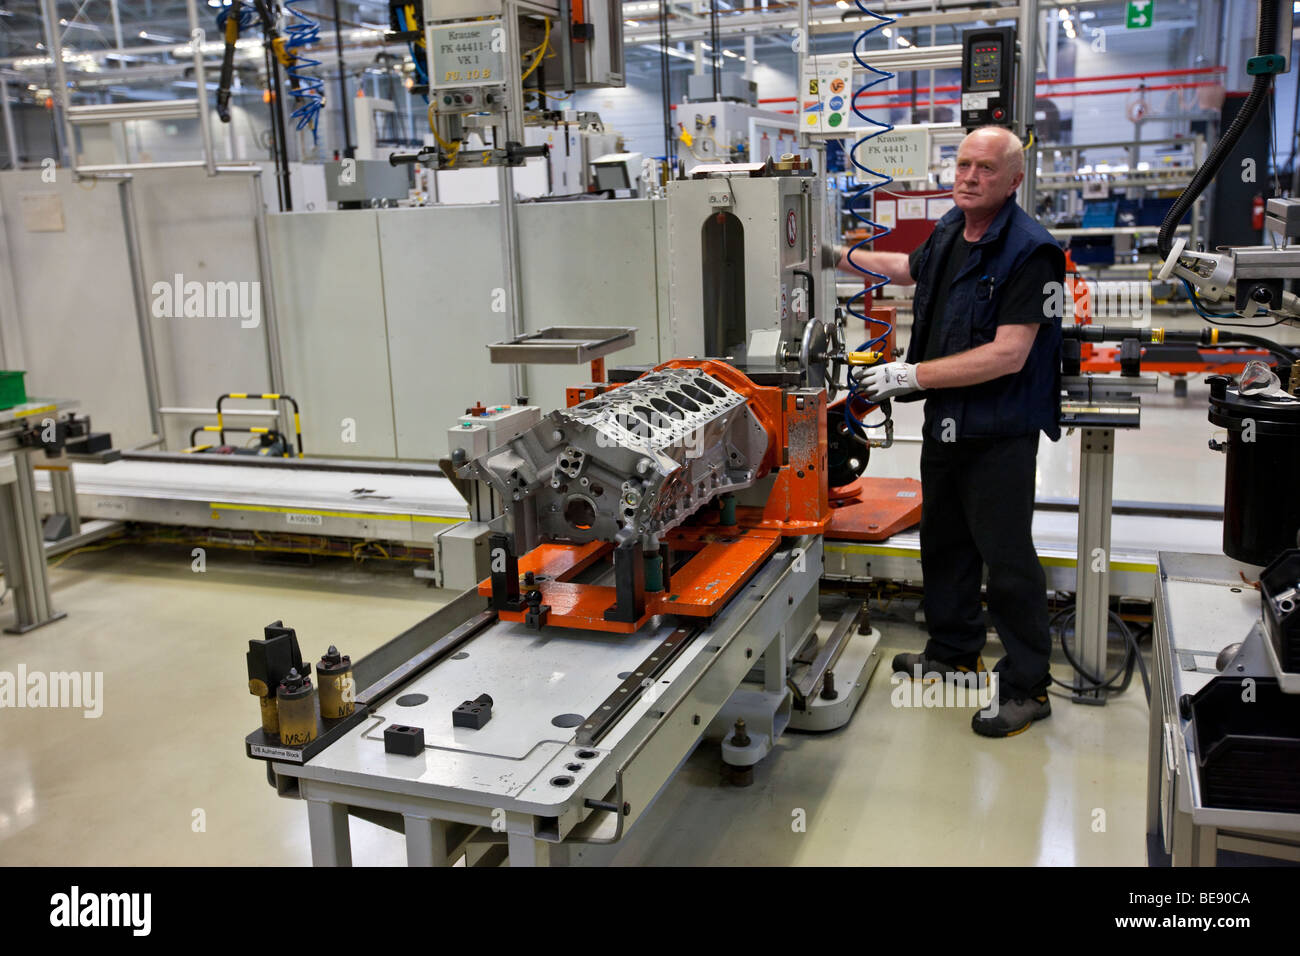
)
(307, 90)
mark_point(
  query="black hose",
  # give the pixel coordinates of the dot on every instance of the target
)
(1284, 352)
(1220, 336)
(1264, 44)
(1133, 654)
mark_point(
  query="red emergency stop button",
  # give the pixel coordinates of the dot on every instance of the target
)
(998, 114)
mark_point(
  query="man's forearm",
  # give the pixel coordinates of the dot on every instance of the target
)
(891, 264)
(983, 363)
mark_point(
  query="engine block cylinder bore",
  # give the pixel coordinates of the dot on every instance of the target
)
(631, 463)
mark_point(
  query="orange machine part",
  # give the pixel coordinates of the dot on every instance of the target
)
(1078, 289)
(872, 509)
(799, 502)
(722, 560)
(1220, 361)
(888, 314)
(577, 394)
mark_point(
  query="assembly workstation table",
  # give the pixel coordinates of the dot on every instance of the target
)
(414, 502)
(1202, 606)
(21, 538)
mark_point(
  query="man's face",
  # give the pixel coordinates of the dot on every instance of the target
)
(984, 175)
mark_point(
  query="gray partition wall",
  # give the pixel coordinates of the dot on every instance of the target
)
(440, 277)
(333, 330)
(383, 316)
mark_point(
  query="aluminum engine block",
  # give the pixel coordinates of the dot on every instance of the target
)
(631, 463)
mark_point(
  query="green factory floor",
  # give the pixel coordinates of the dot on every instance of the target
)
(161, 777)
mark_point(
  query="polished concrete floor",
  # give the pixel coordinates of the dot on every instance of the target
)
(161, 777)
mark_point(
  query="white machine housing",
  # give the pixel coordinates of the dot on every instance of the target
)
(596, 63)
(735, 241)
(723, 132)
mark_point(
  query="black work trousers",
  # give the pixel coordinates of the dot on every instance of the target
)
(977, 510)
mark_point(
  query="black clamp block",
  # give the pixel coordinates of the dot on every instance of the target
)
(407, 741)
(505, 573)
(629, 584)
(1130, 358)
(473, 713)
(1071, 356)
(535, 612)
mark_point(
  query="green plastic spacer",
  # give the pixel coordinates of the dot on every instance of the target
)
(654, 572)
(728, 516)
(1268, 63)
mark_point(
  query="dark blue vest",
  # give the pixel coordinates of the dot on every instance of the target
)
(1018, 404)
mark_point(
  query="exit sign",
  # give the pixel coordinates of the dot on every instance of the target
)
(1140, 13)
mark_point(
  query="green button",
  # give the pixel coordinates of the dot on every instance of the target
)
(836, 119)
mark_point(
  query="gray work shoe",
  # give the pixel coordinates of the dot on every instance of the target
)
(928, 670)
(1011, 717)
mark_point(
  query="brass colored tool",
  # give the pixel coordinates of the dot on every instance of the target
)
(334, 684)
(296, 703)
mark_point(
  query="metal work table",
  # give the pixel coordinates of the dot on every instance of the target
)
(406, 503)
(1202, 606)
(21, 540)
(542, 781)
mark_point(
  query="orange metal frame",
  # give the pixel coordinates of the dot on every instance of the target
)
(722, 560)
(873, 509)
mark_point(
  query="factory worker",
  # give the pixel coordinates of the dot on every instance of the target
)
(985, 357)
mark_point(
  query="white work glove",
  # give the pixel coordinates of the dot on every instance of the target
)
(889, 380)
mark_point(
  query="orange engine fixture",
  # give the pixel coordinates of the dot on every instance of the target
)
(702, 562)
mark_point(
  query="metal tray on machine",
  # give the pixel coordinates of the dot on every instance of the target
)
(562, 345)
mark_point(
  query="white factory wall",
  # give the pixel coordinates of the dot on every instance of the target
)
(386, 315)
(1104, 119)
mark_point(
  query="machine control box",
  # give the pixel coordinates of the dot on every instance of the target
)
(988, 70)
(358, 183)
(469, 99)
(485, 427)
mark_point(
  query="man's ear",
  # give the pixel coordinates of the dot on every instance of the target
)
(1015, 184)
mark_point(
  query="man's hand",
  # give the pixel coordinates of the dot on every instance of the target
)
(889, 380)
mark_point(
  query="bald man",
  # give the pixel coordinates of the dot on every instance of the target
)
(985, 355)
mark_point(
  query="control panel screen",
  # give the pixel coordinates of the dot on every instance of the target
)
(985, 64)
